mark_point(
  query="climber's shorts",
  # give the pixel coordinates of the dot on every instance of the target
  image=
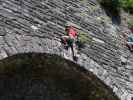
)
(70, 42)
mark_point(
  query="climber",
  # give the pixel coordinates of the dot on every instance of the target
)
(129, 40)
(70, 38)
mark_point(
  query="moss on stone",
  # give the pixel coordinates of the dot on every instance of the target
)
(130, 23)
(84, 37)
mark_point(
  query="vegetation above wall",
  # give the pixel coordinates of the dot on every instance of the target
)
(127, 5)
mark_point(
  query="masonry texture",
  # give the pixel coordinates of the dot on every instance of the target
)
(36, 26)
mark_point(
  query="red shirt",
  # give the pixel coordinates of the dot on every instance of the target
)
(72, 32)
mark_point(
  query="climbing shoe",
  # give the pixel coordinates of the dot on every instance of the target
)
(66, 47)
(75, 58)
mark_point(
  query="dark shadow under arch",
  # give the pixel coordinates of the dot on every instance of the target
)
(37, 76)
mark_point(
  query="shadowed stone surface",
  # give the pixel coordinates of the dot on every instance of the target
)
(37, 76)
(36, 26)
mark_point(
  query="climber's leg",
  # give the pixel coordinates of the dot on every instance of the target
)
(74, 51)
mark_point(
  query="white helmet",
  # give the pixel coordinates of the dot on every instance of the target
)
(72, 24)
(68, 24)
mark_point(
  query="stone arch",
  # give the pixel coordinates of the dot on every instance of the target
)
(49, 77)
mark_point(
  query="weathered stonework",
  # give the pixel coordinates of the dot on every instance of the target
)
(36, 26)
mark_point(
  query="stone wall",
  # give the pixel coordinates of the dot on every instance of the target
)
(36, 26)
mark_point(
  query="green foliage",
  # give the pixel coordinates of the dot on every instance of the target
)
(83, 38)
(127, 5)
(114, 4)
(130, 23)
